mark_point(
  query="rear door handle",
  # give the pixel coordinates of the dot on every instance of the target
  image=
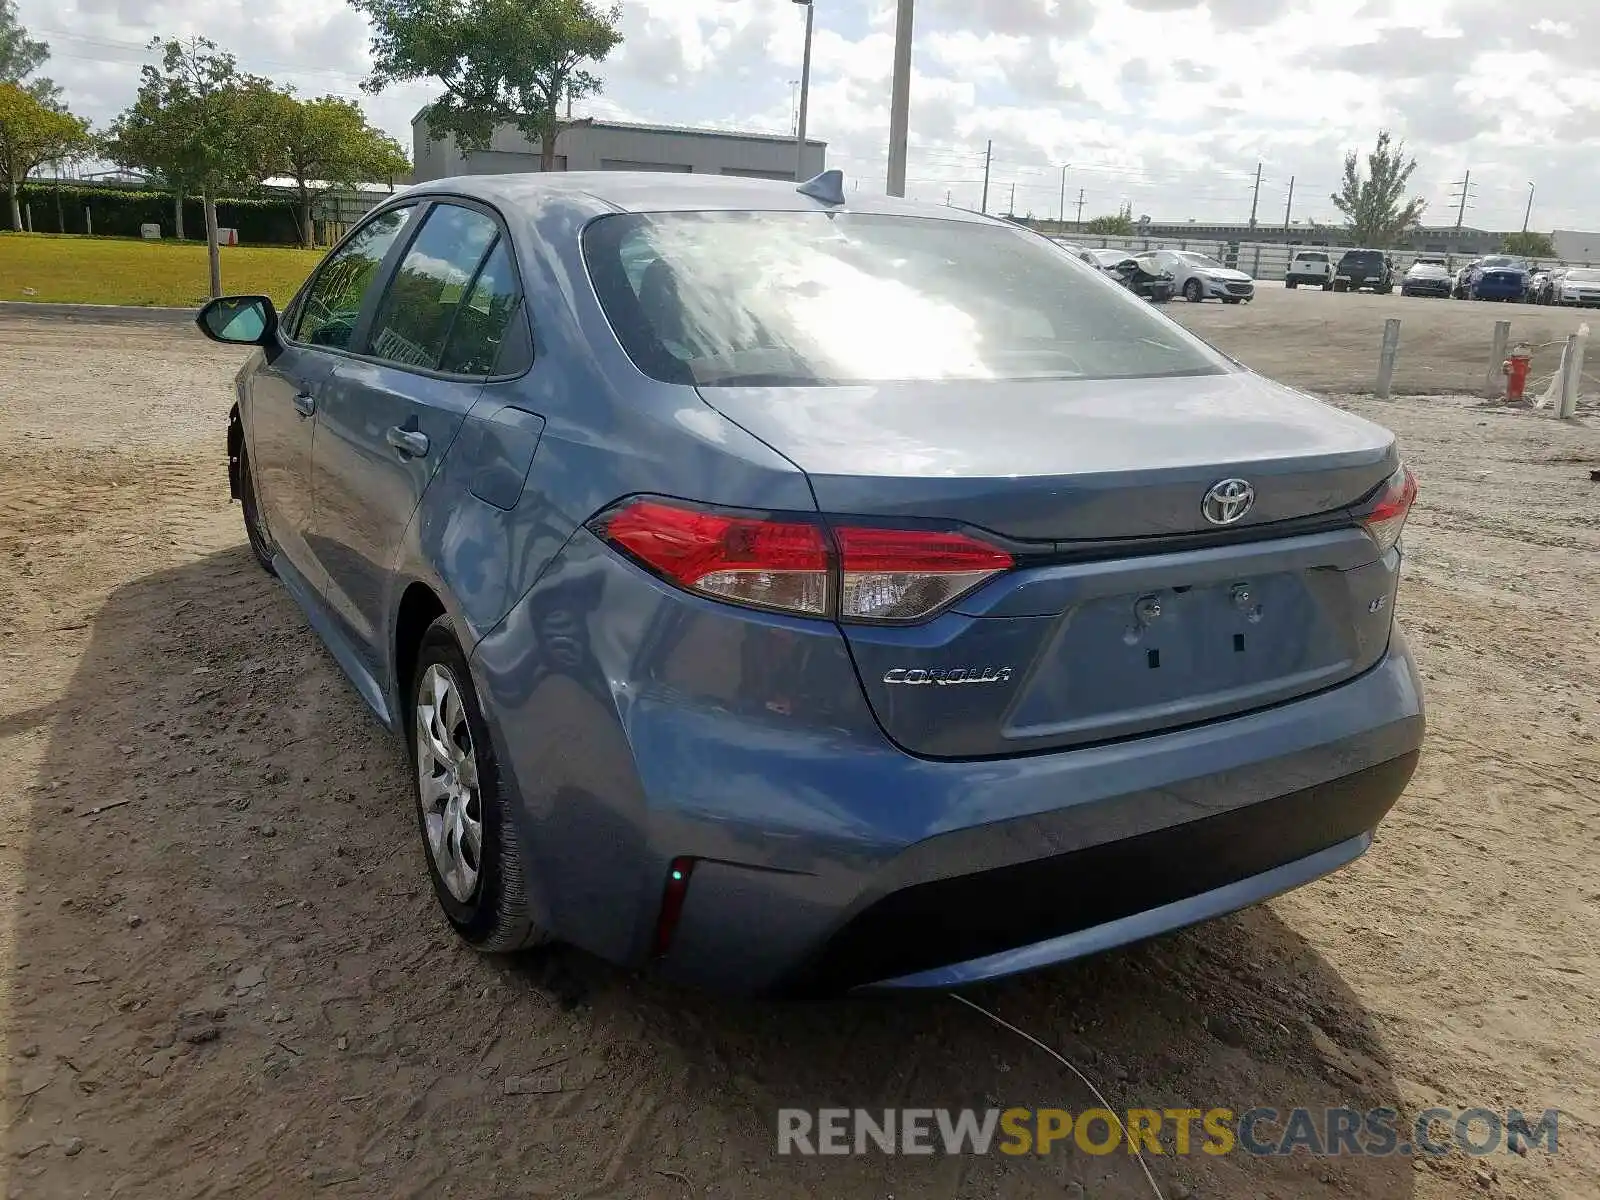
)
(408, 441)
(305, 404)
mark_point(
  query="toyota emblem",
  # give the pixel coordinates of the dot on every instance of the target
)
(1228, 501)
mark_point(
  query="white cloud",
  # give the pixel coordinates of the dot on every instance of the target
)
(1167, 103)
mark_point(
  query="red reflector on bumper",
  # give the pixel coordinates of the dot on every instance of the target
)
(672, 898)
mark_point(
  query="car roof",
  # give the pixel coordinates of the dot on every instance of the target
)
(592, 193)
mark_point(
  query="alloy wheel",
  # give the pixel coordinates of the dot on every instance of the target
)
(447, 778)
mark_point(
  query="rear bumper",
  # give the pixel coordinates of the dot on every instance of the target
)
(635, 725)
(1124, 845)
(1085, 901)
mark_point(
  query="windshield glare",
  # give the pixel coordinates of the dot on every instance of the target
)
(1580, 275)
(1201, 260)
(812, 299)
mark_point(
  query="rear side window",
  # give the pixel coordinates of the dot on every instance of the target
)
(417, 317)
(328, 311)
(482, 317)
(813, 299)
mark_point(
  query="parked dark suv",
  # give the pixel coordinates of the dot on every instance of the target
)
(1359, 269)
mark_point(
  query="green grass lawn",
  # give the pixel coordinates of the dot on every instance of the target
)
(85, 270)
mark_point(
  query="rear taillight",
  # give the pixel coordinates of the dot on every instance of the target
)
(904, 574)
(747, 559)
(801, 564)
(1388, 515)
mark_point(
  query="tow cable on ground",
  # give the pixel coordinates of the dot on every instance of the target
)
(1087, 1082)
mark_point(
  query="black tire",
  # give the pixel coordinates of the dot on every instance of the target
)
(1291, 284)
(494, 916)
(1328, 287)
(260, 541)
(1192, 293)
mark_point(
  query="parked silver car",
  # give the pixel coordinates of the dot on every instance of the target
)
(1577, 287)
(1200, 277)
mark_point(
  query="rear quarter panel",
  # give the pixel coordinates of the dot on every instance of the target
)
(585, 428)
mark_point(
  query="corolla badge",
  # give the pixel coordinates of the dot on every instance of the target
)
(917, 677)
(1227, 501)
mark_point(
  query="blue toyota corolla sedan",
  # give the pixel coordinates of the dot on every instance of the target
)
(780, 590)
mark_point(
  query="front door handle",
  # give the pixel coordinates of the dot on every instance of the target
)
(305, 404)
(408, 441)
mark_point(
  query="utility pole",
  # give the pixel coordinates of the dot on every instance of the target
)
(1256, 199)
(1526, 216)
(988, 157)
(1466, 186)
(1080, 208)
(805, 94)
(1061, 213)
(1011, 210)
(1289, 207)
(900, 99)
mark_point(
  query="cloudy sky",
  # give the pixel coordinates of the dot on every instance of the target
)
(1169, 104)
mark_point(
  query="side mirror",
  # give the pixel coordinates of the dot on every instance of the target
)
(239, 320)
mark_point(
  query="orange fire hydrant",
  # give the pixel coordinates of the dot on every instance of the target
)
(1515, 369)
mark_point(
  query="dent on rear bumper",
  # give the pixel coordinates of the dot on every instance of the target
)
(637, 724)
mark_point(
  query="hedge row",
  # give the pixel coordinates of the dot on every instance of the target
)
(119, 212)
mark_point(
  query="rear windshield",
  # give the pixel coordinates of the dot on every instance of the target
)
(812, 299)
(1311, 256)
(1363, 258)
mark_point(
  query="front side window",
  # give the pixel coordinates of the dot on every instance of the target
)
(328, 311)
(814, 299)
(418, 313)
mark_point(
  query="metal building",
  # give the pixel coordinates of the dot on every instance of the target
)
(1576, 246)
(620, 146)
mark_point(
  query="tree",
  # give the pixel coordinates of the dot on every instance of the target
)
(502, 62)
(1120, 225)
(1375, 207)
(325, 144)
(21, 56)
(197, 123)
(1529, 245)
(33, 133)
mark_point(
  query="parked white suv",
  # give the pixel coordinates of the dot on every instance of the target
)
(1311, 267)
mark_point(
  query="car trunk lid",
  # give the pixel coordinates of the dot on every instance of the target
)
(1129, 611)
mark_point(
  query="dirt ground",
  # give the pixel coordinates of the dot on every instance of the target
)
(222, 972)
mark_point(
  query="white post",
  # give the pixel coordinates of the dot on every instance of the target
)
(1386, 357)
(1495, 380)
(88, 221)
(1572, 373)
